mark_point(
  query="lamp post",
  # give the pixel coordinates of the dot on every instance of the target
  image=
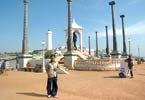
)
(129, 40)
(43, 56)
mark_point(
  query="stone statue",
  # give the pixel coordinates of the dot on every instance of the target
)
(74, 40)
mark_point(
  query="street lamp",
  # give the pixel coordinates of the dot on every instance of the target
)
(43, 56)
(129, 40)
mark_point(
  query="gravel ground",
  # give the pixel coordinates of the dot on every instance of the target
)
(77, 85)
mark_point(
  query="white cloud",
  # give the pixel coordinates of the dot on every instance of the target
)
(133, 2)
(137, 28)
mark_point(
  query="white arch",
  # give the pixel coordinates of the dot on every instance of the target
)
(78, 29)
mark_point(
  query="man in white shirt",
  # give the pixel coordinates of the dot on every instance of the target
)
(51, 69)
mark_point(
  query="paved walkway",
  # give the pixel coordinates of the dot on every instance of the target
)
(77, 85)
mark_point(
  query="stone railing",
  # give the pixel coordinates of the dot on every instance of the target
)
(99, 64)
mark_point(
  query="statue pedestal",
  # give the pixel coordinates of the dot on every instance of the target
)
(107, 56)
(124, 55)
(115, 54)
(69, 58)
(23, 60)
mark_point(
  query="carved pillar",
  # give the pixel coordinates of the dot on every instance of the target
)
(89, 45)
(112, 3)
(97, 44)
(115, 52)
(81, 43)
(123, 33)
(69, 41)
(25, 49)
(25, 57)
(107, 41)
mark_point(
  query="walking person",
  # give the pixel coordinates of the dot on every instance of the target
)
(130, 65)
(52, 85)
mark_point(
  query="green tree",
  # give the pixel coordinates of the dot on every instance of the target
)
(35, 52)
(48, 53)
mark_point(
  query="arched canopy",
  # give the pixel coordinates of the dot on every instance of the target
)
(78, 29)
(75, 28)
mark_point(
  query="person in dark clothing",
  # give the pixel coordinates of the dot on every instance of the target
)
(51, 69)
(74, 40)
(130, 65)
(3, 66)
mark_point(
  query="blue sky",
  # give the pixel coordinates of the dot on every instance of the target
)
(92, 15)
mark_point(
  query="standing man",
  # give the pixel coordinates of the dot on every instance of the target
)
(130, 65)
(51, 69)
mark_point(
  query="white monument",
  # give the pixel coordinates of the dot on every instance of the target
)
(70, 57)
(49, 39)
(77, 29)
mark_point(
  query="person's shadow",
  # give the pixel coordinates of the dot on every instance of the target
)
(111, 77)
(32, 94)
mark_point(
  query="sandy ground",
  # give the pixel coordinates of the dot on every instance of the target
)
(77, 85)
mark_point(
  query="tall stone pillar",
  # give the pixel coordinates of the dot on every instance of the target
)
(107, 42)
(25, 49)
(69, 56)
(97, 44)
(25, 57)
(89, 45)
(81, 42)
(123, 33)
(115, 52)
(69, 41)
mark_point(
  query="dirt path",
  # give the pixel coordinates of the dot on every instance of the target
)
(78, 85)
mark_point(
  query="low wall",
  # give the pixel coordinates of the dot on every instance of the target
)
(34, 66)
(97, 65)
